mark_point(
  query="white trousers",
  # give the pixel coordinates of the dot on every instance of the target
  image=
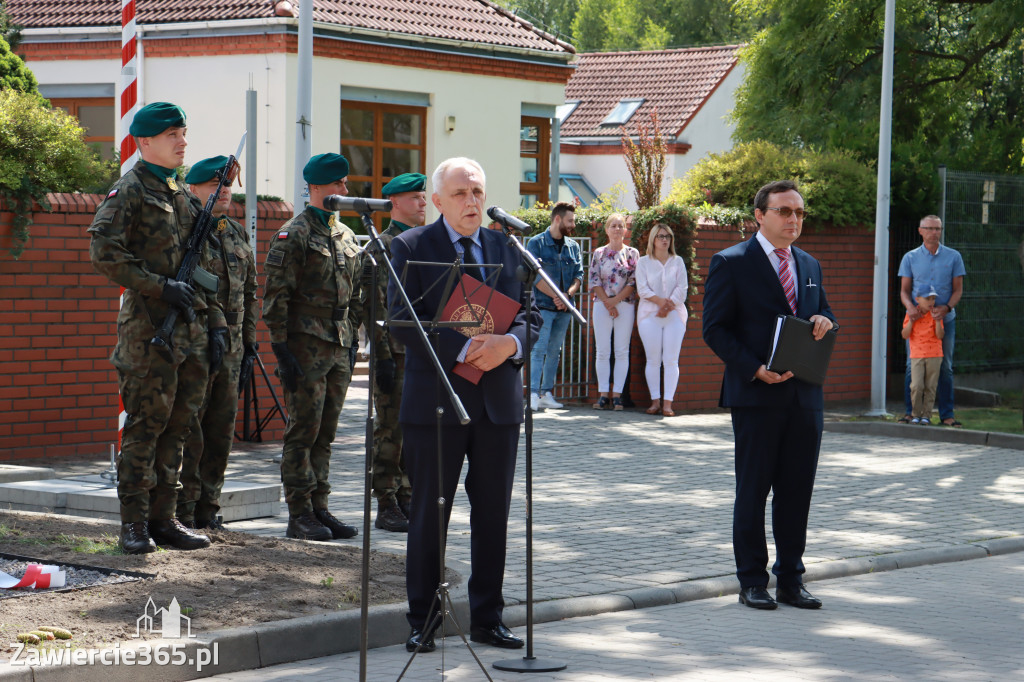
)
(604, 325)
(662, 337)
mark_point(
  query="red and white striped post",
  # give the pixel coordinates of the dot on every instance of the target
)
(128, 104)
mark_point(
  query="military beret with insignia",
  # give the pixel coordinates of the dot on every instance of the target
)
(205, 170)
(324, 169)
(406, 182)
(155, 118)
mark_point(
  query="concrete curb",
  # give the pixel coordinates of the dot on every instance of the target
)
(942, 434)
(286, 641)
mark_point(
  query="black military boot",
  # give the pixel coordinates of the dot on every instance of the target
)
(210, 524)
(306, 526)
(390, 516)
(171, 532)
(135, 538)
(339, 530)
(405, 504)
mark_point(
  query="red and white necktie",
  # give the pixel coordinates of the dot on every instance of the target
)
(786, 278)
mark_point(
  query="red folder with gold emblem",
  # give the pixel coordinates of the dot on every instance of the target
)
(485, 310)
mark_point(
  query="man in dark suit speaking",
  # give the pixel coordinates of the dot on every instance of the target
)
(495, 404)
(776, 418)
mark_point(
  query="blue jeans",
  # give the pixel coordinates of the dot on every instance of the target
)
(544, 357)
(944, 394)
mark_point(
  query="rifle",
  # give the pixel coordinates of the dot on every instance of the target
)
(189, 270)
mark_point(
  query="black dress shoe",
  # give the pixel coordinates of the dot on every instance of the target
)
(390, 517)
(498, 635)
(171, 532)
(339, 530)
(418, 641)
(307, 526)
(757, 597)
(135, 538)
(797, 596)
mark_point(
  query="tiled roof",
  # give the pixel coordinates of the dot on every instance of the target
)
(676, 82)
(472, 21)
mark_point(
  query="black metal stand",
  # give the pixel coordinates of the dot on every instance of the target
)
(527, 273)
(250, 399)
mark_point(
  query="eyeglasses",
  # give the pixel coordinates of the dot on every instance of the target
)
(664, 236)
(786, 211)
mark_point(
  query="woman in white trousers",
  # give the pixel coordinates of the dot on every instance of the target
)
(661, 282)
(613, 285)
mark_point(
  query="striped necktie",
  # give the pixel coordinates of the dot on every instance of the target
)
(786, 278)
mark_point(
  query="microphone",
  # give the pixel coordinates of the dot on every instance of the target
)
(511, 222)
(336, 202)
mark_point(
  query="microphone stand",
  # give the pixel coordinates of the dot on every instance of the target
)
(527, 273)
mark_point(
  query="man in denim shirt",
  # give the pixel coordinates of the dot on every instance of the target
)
(942, 267)
(562, 260)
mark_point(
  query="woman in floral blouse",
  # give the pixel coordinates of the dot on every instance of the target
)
(613, 284)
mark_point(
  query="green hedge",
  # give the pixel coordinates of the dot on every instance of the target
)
(837, 189)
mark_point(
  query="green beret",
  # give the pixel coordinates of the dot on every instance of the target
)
(406, 182)
(324, 169)
(205, 170)
(155, 118)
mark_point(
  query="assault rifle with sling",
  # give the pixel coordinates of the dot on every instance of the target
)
(189, 272)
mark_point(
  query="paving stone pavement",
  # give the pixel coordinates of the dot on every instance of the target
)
(954, 621)
(623, 500)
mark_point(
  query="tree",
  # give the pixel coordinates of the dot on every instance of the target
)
(595, 25)
(41, 150)
(645, 160)
(14, 75)
(813, 78)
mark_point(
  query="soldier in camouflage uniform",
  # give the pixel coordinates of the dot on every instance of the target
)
(212, 429)
(390, 482)
(310, 303)
(137, 240)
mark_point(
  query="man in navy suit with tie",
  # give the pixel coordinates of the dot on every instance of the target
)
(495, 404)
(776, 418)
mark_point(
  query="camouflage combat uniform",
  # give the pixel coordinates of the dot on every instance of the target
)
(138, 241)
(212, 429)
(389, 476)
(312, 282)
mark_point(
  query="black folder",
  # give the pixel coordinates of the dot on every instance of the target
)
(793, 349)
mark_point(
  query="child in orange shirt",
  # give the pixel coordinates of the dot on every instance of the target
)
(925, 337)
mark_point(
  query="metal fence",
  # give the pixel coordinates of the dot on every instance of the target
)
(983, 219)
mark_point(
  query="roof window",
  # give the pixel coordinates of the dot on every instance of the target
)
(564, 111)
(622, 112)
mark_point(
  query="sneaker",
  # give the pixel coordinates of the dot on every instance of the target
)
(915, 420)
(535, 402)
(925, 421)
(548, 400)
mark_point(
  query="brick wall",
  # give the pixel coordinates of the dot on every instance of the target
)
(847, 261)
(58, 391)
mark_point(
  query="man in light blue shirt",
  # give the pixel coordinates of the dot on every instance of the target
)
(562, 260)
(937, 265)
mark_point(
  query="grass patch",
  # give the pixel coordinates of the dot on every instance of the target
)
(107, 544)
(1007, 418)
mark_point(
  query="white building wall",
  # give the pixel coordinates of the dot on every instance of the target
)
(486, 108)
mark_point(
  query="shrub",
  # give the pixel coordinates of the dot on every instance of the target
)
(837, 188)
(41, 150)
